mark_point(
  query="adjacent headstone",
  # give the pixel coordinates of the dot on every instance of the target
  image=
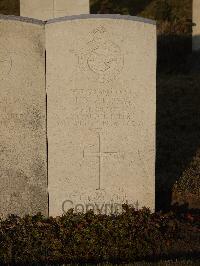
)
(48, 9)
(101, 90)
(23, 155)
(196, 27)
(71, 7)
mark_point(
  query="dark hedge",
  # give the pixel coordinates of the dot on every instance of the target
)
(130, 236)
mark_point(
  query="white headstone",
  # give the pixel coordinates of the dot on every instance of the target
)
(48, 9)
(23, 149)
(196, 27)
(101, 86)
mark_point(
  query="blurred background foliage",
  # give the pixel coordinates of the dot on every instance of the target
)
(161, 10)
(173, 18)
(173, 11)
(174, 26)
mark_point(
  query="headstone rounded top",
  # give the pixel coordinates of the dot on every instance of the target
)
(21, 19)
(78, 17)
(103, 16)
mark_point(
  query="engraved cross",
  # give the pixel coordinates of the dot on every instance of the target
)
(99, 154)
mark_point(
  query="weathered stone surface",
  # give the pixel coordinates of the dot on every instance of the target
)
(48, 9)
(71, 7)
(196, 28)
(23, 168)
(101, 89)
(37, 9)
